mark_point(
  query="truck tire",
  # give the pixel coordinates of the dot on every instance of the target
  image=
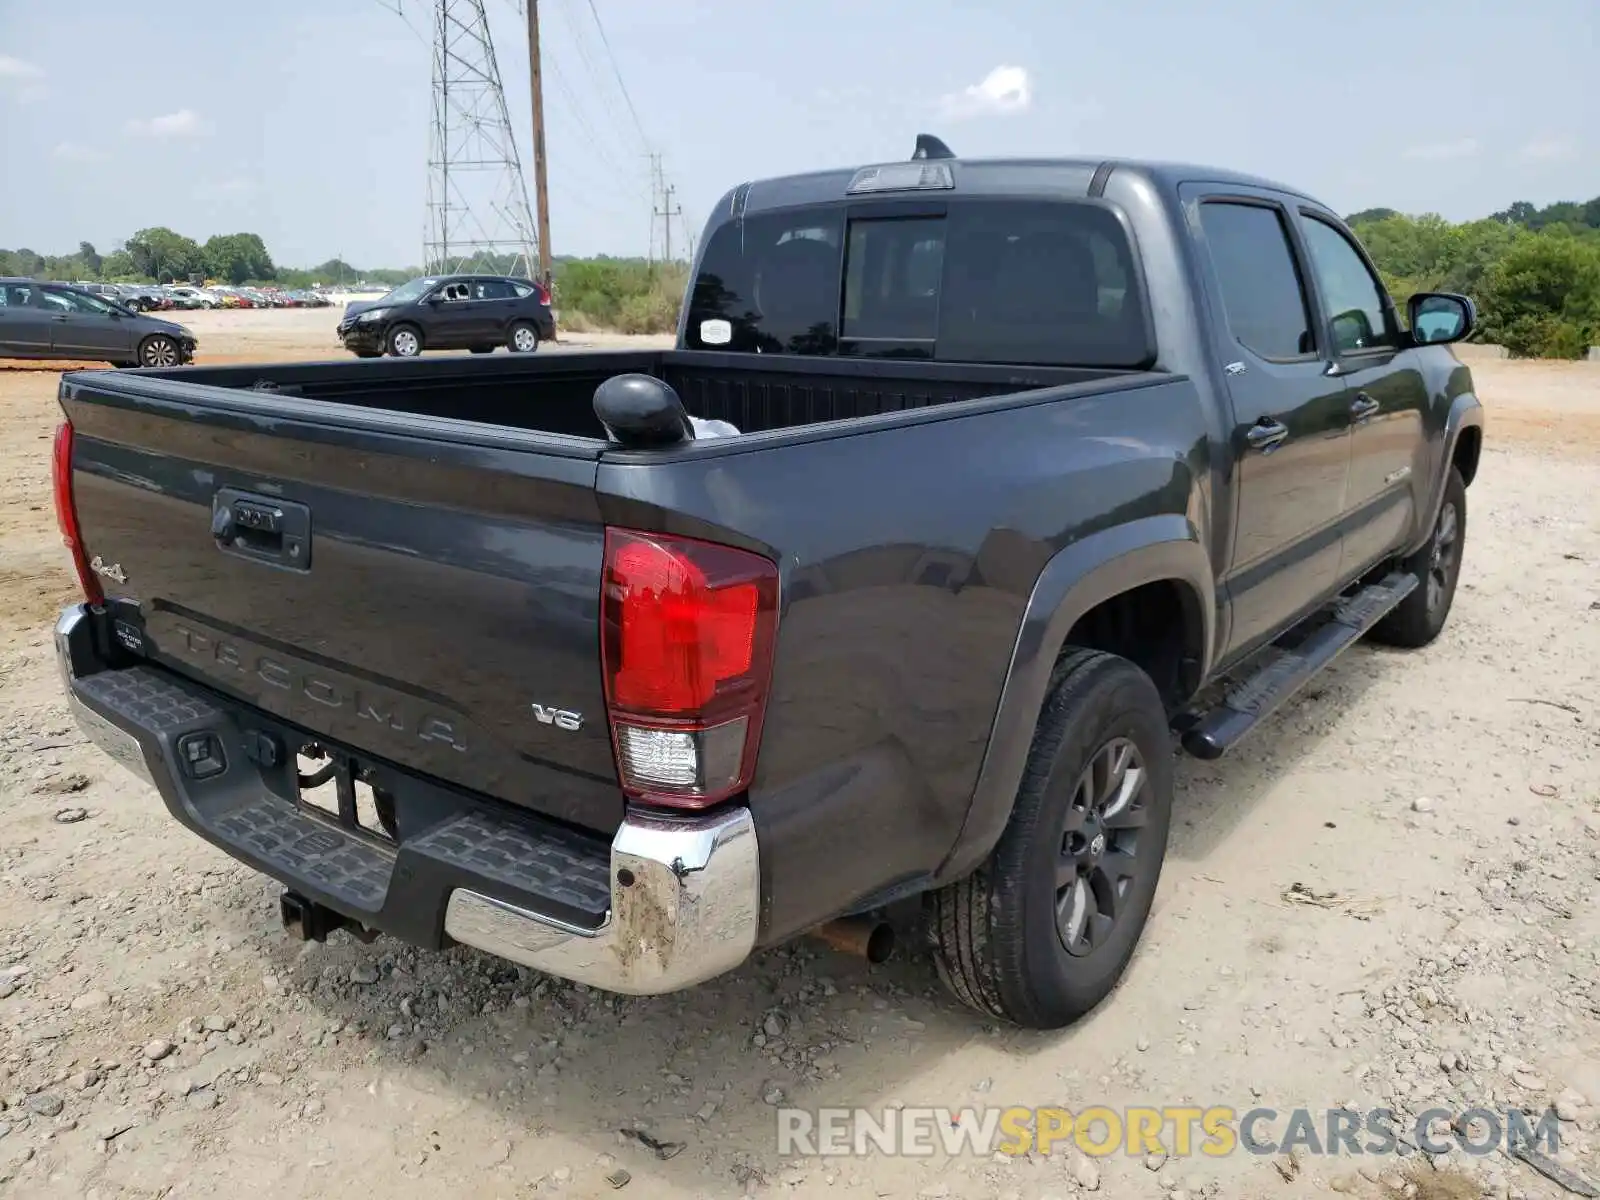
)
(1419, 618)
(1042, 931)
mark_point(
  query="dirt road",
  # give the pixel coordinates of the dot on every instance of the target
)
(1387, 898)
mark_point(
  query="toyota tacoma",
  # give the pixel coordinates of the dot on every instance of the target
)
(1031, 472)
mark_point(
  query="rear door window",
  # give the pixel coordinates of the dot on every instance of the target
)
(1257, 272)
(1036, 283)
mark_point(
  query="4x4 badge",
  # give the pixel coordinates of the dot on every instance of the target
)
(110, 570)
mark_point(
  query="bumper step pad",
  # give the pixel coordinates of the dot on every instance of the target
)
(533, 862)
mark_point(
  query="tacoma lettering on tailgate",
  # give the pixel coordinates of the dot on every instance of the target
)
(366, 702)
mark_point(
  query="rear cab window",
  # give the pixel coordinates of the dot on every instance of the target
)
(985, 281)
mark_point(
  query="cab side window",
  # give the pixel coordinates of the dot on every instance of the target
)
(1358, 317)
(1260, 282)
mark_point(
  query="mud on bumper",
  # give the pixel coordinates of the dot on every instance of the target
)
(668, 903)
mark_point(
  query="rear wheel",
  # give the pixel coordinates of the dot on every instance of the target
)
(1420, 617)
(158, 351)
(405, 341)
(1042, 931)
(522, 338)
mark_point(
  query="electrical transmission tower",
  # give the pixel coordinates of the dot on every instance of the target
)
(479, 218)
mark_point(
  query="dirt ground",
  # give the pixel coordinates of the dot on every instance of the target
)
(1387, 898)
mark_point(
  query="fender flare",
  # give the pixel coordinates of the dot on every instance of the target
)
(1074, 580)
(1466, 412)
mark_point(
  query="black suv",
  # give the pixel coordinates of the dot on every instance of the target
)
(51, 320)
(450, 312)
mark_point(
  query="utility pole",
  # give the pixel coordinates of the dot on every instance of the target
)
(540, 182)
(666, 212)
(655, 195)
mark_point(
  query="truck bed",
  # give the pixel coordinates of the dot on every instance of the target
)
(553, 393)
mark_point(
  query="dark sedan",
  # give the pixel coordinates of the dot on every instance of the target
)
(51, 320)
(451, 312)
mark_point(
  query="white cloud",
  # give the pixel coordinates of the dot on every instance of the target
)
(15, 68)
(1438, 151)
(73, 152)
(1003, 90)
(1548, 148)
(183, 123)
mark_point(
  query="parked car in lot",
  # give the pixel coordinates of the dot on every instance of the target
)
(1038, 467)
(450, 312)
(191, 297)
(142, 298)
(51, 320)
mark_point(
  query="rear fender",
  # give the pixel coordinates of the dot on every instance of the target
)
(1074, 581)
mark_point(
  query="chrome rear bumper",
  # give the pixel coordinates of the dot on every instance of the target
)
(685, 900)
(685, 892)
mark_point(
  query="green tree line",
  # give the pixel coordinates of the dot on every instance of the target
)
(1534, 272)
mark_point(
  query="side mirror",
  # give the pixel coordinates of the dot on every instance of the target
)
(432, 301)
(1438, 318)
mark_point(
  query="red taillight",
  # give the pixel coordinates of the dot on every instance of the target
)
(687, 632)
(67, 515)
(544, 292)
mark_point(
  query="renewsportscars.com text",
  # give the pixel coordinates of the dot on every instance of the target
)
(1176, 1130)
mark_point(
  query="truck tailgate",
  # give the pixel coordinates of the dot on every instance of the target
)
(430, 601)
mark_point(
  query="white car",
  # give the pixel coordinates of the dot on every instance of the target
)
(196, 297)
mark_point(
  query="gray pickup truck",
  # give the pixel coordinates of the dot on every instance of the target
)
(1041, 469)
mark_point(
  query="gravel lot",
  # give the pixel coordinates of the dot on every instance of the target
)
(1386, 898)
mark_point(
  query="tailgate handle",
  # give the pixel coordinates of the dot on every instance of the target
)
(262, 528)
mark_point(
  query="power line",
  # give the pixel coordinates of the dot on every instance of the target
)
(617, 71)
(578, 184)
(575, 110)
(599, 80)
(395, 8)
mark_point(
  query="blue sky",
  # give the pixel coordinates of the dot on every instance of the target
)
(306, 120)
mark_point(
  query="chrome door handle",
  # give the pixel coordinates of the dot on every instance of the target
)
(1363, 406)
(1267, 434)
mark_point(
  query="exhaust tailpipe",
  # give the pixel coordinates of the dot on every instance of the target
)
(863, 937)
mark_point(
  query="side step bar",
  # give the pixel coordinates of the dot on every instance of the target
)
(1262, 693)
